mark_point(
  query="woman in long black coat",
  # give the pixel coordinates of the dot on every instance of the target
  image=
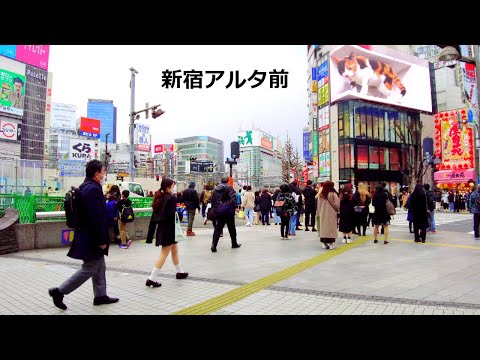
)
(265, 206)
(347, 214)
(380, 216)
(164, 207)
(418, 205)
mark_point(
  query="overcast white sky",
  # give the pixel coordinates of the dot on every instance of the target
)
(102, 72)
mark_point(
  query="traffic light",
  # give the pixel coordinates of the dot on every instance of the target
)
(157, 112)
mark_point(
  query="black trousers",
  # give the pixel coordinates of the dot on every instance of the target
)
(310, 217)
(476, 223)
(285, 226)
(151, 231)
(219, 224)
(265, 217)
(420, 232)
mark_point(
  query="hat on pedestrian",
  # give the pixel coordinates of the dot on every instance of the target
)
(192, 184)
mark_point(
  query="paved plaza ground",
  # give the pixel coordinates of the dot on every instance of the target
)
(267, 275)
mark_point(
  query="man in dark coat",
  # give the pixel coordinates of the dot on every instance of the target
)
(192, 202)
(310, 208)
(90, 242)
(223, 196)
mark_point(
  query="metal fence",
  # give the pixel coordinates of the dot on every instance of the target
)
(29, 205)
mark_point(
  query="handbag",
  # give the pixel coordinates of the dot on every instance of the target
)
(179, 235)
(358, 209)
(257, 208)
(390, 208)
(241, 214)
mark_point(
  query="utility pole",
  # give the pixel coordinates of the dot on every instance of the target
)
(106, 156)
(132, 120)
(476, 55)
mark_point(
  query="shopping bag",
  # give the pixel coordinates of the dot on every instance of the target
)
(179, 235)
(241, 214)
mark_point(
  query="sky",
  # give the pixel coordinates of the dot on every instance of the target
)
(102, 72)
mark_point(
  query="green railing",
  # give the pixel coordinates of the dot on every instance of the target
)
(28, 205)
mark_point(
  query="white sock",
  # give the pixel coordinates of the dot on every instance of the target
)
(179, 269)
(155, 273)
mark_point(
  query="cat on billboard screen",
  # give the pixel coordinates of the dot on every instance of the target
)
(370, 77)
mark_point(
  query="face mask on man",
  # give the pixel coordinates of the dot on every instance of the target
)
(102, 181)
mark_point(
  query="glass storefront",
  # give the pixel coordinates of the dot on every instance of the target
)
(373, 143)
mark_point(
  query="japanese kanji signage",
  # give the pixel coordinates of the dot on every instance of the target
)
(81, 149)
(453, 145)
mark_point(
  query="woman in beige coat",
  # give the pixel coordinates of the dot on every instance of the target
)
(328, 205)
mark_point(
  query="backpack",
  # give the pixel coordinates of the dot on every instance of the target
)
(72, 206)
(126, 214)
(430, 201)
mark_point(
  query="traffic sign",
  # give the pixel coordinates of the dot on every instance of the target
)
(72, 162)
(72, 173)
(75, 168)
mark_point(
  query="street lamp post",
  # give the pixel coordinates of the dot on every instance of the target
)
(132, 120)
(106, 155)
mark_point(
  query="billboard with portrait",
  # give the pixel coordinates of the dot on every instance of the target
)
(380, 74)
(12, 97)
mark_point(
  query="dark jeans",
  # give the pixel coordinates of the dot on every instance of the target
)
(298, 219)
(285, 226)
(476, 223)
(204, 207)
(265, 217)
(310, 215)
(219, 224)
(420, 232)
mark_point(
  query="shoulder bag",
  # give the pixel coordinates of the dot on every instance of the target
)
(179, 235)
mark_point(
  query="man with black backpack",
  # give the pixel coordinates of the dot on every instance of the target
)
(90, 242)
(431, 208)
(224, 201)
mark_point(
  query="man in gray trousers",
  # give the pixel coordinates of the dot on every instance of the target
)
(91, 240)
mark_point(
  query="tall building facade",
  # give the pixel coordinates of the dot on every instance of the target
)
(361, 131)
(260, 163)
(24, 74)
(204, 148)
(106, 112)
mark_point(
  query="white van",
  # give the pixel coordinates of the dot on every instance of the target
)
(135, 188)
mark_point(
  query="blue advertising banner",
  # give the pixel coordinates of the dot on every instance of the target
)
(8, 50)
(322, 70)
(306, 143)
(314, 73)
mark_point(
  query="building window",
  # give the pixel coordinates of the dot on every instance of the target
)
(341, 156)
(394, 159)
(348, 155)
(358, 131)
(362, 156)
(363, 122)
(374, 158)
(374, 123)
(369, 123)
(384, 159)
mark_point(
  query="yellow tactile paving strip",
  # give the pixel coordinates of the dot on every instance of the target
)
(218, 302)
(439, 244)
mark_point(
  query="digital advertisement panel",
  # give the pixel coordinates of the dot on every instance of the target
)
(256, 138)
(306, 146)
(89, 127)
(81, 149)
(453, 145)
(9, 130)
(142, 137)
(35, 55)
(324, 165)
(8, 50)
(63, 117)
(377, 73)
(13, 92)
(158, 149)
(470, 91)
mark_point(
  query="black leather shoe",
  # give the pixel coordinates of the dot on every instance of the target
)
(57, 298)
(314, 229)
(306, 229)
(152, 283)
(214, 249)
(101, 300)
(182, 275)
(236, 246)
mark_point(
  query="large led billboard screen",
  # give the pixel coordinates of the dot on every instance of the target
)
(380, 74)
